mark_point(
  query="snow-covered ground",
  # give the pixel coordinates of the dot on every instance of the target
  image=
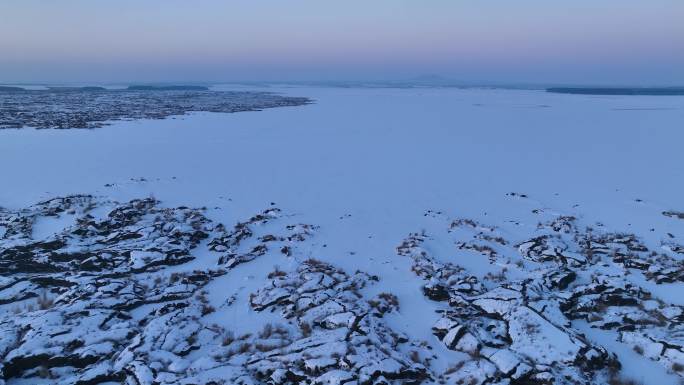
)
(369, 166)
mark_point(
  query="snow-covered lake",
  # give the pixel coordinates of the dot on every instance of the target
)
(365, 164)
(382, 155)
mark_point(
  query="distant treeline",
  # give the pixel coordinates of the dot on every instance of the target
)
(663, 91)
(77, 88)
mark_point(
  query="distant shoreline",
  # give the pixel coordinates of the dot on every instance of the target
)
(577, 90)
(97, 88)
(654, 91)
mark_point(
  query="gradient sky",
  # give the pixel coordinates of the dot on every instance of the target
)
(636, 42)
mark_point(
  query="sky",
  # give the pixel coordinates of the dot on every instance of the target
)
(630, 42)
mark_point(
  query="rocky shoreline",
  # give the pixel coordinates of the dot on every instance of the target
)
(93, 108)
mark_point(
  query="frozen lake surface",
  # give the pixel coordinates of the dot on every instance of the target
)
(368, 165)
(375, 151)
(382, 155)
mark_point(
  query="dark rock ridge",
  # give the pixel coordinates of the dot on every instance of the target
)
(93, 107)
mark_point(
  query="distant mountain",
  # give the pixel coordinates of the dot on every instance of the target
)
(430, 78)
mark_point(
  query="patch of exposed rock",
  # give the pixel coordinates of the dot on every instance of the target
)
(120, 294)
(520, 330)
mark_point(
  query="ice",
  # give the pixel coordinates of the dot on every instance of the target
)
(368, 167)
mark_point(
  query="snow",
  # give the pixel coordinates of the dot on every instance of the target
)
(365, 165)
(47, 226)
(633, 366)
(381, 155)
